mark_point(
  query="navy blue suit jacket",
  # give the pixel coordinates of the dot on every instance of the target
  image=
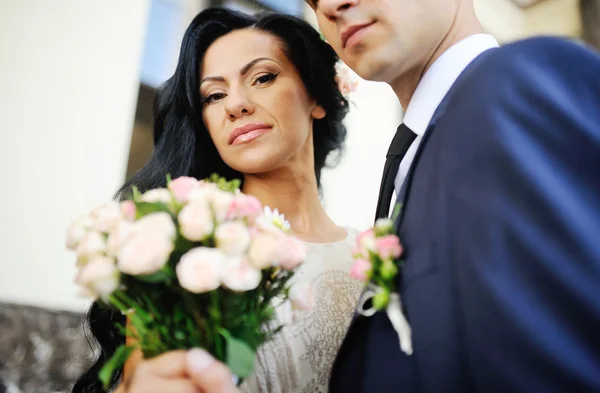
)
(501, 229)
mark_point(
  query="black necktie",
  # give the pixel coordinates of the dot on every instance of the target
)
(398, 148)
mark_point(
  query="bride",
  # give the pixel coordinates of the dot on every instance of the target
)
(255, 98)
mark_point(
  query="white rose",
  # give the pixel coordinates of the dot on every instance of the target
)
(221, 202)
(157, 195)
(145, 253)
(199, 269)
(196, 221)
(238, 275)
(233, 238)
(203, 192)
(76, 231)
(92, 244)
(99, 278)
(302, 296)
(264, 250)
(118, 236)
(105, 217)
(161, 222)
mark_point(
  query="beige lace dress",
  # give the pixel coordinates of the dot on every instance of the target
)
(299, 358)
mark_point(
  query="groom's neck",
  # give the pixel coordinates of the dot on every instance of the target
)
(464, 25)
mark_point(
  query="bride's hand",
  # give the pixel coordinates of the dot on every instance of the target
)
(193, 371)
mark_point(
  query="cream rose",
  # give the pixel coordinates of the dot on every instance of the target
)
(157, 195)
(264, 250)
(145, 253)
(99, 278)
(118, 236)
(238, 275)
(233, 238)
(196, 220)
(105, 217)
(92, 244)
(292, 253)
(199, 269)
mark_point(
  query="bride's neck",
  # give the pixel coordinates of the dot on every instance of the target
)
(296, 196)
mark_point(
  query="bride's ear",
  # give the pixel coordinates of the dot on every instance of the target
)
(318, 112)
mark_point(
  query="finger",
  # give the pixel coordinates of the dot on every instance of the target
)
(157, 385)
(168, 365)
(208, 374)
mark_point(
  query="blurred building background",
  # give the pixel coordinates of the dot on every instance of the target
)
(77, 80)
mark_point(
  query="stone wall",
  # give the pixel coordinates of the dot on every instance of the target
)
(41, 351)
(590, 21)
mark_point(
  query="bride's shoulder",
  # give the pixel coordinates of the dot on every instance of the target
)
(351, 235)
(353, 231)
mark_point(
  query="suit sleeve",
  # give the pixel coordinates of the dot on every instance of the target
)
(524, 227)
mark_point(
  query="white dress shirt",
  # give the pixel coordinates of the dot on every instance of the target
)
(430, 92)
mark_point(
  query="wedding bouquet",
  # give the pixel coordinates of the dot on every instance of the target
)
(195, 264)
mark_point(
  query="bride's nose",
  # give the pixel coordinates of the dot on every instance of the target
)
(238, 104)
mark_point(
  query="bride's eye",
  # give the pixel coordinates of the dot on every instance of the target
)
(265, 78)
(212, 98)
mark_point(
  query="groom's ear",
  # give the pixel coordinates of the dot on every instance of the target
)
(318, 112)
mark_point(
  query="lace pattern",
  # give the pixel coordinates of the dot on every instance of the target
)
(300, 357)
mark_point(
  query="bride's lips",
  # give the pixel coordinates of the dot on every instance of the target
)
(248, 132)
(353, 33)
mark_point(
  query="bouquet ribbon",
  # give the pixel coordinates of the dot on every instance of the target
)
(395, 314)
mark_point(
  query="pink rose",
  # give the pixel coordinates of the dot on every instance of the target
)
(128, 210)
(199, 270)
(302, 296)
(118, 236)
(196, 220)
(99, 278)
(182, 187)
(244, 206)
(145, 252)
(361, 270)
(264, 250)
(292, 252)
(105, 217)
(233, 238)
(388, 247)
(92, 244)
(239, 276)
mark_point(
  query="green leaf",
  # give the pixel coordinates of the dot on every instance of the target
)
(145, 208)
(163, 275)
(396, 212)
(116, 362)
(239, 356)
(136, 194)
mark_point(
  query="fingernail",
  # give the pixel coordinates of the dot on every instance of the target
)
(199, 359)
(235, 379)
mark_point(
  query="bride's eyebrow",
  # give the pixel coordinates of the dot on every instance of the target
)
(243, 71)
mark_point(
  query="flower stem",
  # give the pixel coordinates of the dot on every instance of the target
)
(216, 314)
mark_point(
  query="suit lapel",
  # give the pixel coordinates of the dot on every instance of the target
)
(406, 186)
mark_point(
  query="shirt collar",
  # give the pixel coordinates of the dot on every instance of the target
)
(440, 77)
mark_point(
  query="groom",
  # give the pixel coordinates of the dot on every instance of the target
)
(497, 169)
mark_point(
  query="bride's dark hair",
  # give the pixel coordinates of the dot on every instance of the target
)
(182, 145)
